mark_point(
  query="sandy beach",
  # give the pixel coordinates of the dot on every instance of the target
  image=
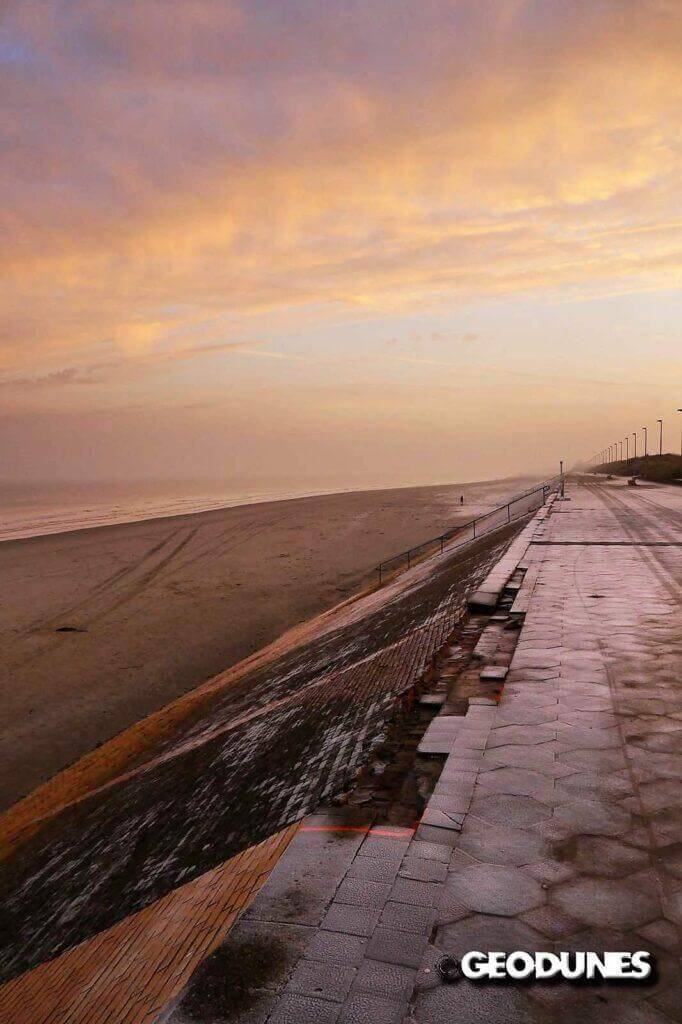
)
(100, 627)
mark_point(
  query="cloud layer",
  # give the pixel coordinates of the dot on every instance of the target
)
(176, 174)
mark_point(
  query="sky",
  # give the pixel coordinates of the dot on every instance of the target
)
(336, 243)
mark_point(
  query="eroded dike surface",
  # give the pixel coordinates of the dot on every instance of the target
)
(255, 756)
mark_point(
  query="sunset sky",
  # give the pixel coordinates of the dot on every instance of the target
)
(341, 243)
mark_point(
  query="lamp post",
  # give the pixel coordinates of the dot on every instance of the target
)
(634, 438)
(646, 443)
(660, 436)
(627, 449)
(680, 410)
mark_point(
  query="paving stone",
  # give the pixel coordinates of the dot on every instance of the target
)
(322, 980)
(573, 738)
(486, 931)
(610, 1009)
(599, 760)
(397, 947)
(336, 948)
(672, 907)
(293, 899)
(661, 795)
(662, 933)
(512, 714)
(460, 764)
(364, 1008)
(430, 851)
(374, 869)
(494, 672)
(496, 889)
(344, 917)
(468, 1003)
(392, 981)
(423, 870)
(551, 921)
(422, 894)
(506, 809)
(608, 902)
(389, 850)
(406, 917)
(597, 855)
(550, 872)
(500, 844)
(457, 804)
(442, 819)
(510, 756)
(518, 782)
(433, 834)
(518, 735)
(298, 1009)
(591, 785)
(362, 893)
(593, 817)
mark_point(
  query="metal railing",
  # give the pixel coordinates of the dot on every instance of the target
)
(529, 501)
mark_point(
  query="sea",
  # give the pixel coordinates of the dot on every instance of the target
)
(36, 509)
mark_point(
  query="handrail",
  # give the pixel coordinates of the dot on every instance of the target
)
(408, 556)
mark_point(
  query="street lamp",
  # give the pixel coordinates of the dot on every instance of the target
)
(634, 437)
(660, 437)
(680, 410)
(646, 443)
(627, 449)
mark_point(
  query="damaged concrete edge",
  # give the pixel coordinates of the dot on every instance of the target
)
(488, 595)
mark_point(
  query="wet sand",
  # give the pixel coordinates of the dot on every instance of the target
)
(153, 609)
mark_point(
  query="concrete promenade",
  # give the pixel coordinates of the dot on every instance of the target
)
(556, 823)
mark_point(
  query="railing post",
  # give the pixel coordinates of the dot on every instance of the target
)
(509, 513)
(441, 545)
(473, 523)
(408, 559)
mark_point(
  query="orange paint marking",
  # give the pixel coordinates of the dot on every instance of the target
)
(404, 833)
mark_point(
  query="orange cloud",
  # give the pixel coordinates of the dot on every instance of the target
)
(238, 159)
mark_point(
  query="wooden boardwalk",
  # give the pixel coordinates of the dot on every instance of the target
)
(129, 973)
